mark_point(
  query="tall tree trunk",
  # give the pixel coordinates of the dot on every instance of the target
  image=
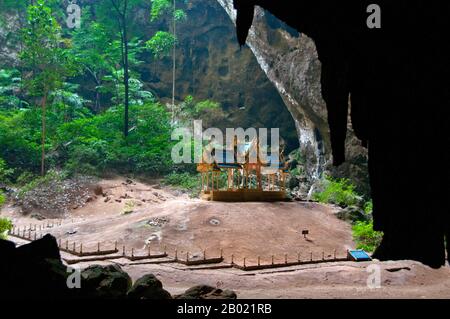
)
(44, 122)
(174, 61)
(122, 21)
(125, 75)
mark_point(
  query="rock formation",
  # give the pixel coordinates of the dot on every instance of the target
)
(35, 271)
(399, 96)
(290, 60)
(211, 65)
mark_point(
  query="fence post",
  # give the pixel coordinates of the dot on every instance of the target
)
(244, 262)
(232, 259)
(204, 254)
(311, 256)
(259, 261)
(81, 249)
(272, 260)
(176, 254)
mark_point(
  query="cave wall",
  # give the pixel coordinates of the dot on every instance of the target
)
(291, 63)
(211, 65)
(9, 24)
(397, 78)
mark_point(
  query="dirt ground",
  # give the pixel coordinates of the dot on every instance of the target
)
(404, 279)
(139, 215)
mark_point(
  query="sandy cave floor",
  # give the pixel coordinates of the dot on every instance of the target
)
(140, 215)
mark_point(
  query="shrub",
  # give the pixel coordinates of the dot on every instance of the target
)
(5, 226)
(5, 173)
(20, 140)
(86, 143)
(25, 178)
(2, 199)
(95, 144)
(366, 238)
(368, 207)
(337, 191)
(184, 181)
(51, 178)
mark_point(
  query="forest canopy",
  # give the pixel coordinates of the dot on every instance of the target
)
(74, 99)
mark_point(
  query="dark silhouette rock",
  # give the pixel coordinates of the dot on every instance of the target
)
(106, 282)
(148, 287)
(398, 88)
(33, 271)
(207, 292)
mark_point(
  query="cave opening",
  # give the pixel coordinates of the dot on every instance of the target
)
(358, 61)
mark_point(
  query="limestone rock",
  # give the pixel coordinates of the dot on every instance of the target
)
(109, 282)
(148, 287)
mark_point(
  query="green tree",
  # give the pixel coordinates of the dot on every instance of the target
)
(122, 10)
(90, 50)
(11, 89)
(44, 59)
(161, 42)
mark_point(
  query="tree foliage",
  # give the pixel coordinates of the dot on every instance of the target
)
(161, 44)
(337, 191)
(44, 56)
(5, 224)
(365, 237)
(46, 61)
(65, 103)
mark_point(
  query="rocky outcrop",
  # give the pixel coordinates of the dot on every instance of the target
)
(353, 214)
(9, 24)
(291, 63)
(148, 287)
(35, 272)
(105, 282)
